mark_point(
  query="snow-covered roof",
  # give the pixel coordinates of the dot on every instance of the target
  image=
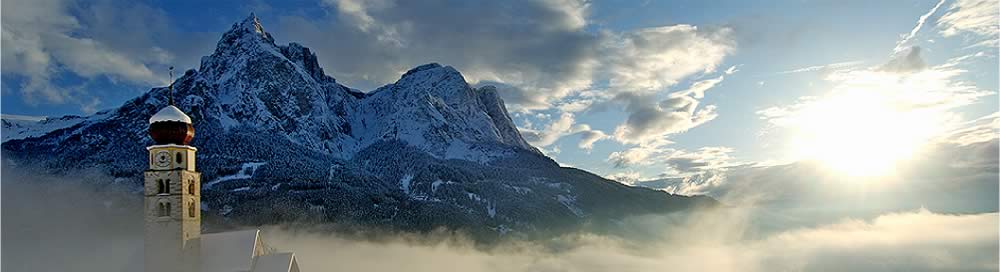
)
(230, 251)
(188, 147)
(242, 251)
(170, 113)
(278, 262)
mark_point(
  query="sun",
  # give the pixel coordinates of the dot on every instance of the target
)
(861, 133)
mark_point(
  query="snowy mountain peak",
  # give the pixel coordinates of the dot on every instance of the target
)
(277, 131)
(442, 114)
(246, 39)
(433, 79)
(431, 72)
(251, 24)
(429, 66)
(250, 29)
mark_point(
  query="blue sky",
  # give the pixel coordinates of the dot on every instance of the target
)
(612, 73)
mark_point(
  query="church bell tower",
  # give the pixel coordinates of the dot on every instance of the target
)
(172, 195)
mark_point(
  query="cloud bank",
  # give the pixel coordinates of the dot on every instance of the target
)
(107, 236)
(911, 241)
(975, 17)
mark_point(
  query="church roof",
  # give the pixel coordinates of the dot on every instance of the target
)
(242, 251)
(170, 113)
(278, 262)
(230, 251)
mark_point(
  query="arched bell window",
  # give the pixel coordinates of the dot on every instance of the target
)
(191, 209)
(161, 187)
(191, 187)
(179, 157)
(163, 209)
(166, 186)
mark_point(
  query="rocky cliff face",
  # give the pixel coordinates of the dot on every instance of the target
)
(279, 141)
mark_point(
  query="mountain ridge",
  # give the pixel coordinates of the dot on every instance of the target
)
(281, 141)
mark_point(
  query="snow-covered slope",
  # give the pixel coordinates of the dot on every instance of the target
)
(432, 108)
(279, 140)
(16, 127)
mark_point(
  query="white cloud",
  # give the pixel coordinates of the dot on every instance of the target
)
(732, 69)
(651, 59)
(916, 241)
(561, 127)
(684, 163)
(700, 172)
(904, 42)
(633, 156)
(697, 90)
(358, 13)
(41, 38)
(676, 162)
(123, 42)
(629, 178)
(831, 66)
(589, 136)
(551, 133)
(977, 17)
(648, 122)
(702, 183)
(980, 130)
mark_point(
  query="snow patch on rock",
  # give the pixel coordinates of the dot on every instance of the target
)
(246, 172)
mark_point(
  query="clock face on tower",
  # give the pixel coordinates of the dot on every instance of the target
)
(162, 158)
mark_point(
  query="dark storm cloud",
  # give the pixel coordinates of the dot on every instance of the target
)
(535, 44)
(541, 50)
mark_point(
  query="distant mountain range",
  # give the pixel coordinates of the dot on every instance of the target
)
(280, 141)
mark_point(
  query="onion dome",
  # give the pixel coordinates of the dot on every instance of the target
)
(171, 126)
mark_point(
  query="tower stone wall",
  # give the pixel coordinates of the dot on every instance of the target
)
(172, 203)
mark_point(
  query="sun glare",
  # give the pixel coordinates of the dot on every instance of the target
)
(862, 133)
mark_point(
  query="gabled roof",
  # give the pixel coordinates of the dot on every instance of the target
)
(230, 251)
(278, 262)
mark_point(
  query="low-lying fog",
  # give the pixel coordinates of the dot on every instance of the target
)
(54, 224)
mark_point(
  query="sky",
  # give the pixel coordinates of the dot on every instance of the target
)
(840, 135)
(630, 90)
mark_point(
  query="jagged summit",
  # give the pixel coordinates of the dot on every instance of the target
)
(251, 22)
(250, 25)
(250, 82)
(247, 40)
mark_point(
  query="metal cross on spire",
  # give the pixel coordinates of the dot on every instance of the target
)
(170, 94)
